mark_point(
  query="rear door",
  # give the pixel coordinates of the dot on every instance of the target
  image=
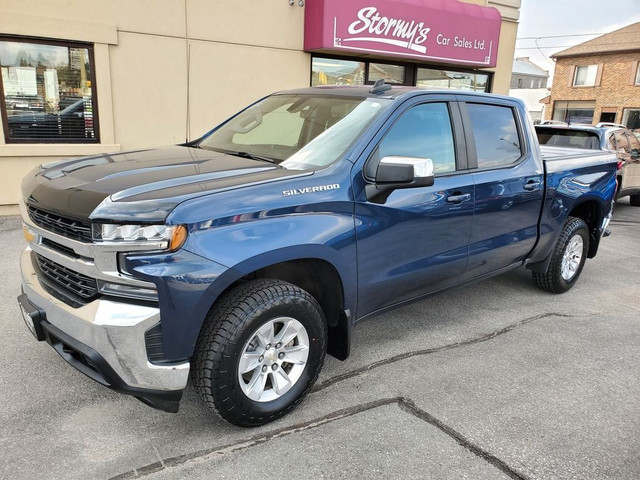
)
(509, 186)
(415, 241)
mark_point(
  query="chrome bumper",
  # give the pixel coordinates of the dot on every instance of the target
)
(115, 330)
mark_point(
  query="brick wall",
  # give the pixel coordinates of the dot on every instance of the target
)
(614, 91)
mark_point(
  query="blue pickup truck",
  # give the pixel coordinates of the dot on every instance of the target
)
(239, 259)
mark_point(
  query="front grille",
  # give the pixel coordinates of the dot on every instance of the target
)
(59, 248)
(67, 227)
(81, 285)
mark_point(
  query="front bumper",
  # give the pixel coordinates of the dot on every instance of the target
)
(105, 340)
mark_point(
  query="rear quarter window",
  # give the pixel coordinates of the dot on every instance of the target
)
(496, 135)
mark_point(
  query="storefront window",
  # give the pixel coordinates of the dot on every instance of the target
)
(631, 118)
(574, 111)
(393, 74)
(428, 77)
(329, 71)
(47, 92)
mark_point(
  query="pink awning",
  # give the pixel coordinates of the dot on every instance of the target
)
(446, 31)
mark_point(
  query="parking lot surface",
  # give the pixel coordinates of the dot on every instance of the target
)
(494, 380)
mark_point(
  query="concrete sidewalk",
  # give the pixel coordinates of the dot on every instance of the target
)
(495, 380)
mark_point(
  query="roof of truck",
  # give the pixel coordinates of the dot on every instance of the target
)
(393, 93)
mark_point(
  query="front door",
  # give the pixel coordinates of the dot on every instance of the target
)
(415, 241)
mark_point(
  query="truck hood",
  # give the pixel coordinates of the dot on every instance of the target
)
(143, 185)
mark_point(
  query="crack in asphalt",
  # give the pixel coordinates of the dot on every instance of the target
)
(427, 351)
(624, 222)
(405, 404)
(208, 453)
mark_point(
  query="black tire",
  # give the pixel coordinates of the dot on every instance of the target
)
(230, 325)
(635, 200)
(553, 281)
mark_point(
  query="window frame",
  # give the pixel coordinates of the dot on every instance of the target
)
(472, 154)
(575, 75)
(460, 151)
(4, 118)
(637, 82)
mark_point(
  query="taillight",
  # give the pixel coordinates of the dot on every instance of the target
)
(620, 164)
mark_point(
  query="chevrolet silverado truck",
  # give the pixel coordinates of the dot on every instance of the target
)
(239, 259)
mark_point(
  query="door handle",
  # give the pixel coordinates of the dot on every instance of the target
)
(531, 185)
(459, 198)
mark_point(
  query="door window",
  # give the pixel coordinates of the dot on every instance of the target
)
(622, 143)
(422, 131)
(496, 135)
(634, 145)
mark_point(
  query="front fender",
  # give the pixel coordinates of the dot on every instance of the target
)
(246, 247)
(213, 258)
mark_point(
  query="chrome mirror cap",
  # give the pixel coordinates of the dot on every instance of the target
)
(422, 167)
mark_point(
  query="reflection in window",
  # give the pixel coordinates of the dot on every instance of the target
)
(495, 134)
(393, 74)
(424, 131)
(428, 77)
(48, 94)
(329, 71)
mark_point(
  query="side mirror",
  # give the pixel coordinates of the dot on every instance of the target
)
(399, 172)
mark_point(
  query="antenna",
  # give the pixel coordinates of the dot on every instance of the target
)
(380, 87)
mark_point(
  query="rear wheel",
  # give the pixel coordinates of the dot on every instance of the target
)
(567, 259)
(635, 200)
(260, 351)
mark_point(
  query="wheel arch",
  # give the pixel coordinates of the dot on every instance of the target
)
(592, 212)
(328, 283)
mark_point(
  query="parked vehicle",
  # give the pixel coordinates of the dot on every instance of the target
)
(24, 103)
(604, 136)
(243, 257)
(70, 123)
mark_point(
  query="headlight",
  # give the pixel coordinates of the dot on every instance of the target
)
(170, 236)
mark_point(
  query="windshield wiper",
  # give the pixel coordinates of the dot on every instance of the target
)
(252, 156)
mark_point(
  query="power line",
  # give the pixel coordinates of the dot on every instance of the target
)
(575, 45)
(560, 36)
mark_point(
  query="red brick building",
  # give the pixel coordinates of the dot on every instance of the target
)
(599, 80)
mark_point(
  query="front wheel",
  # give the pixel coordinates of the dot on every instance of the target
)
(260, 351)
(567, 258)
(635, 200)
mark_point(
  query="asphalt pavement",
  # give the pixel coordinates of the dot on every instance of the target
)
(494, 380)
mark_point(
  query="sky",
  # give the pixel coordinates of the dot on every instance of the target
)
(549, 26)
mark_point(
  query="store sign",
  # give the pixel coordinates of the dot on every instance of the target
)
(451, 32)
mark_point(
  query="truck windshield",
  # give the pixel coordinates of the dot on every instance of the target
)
(298, 132)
